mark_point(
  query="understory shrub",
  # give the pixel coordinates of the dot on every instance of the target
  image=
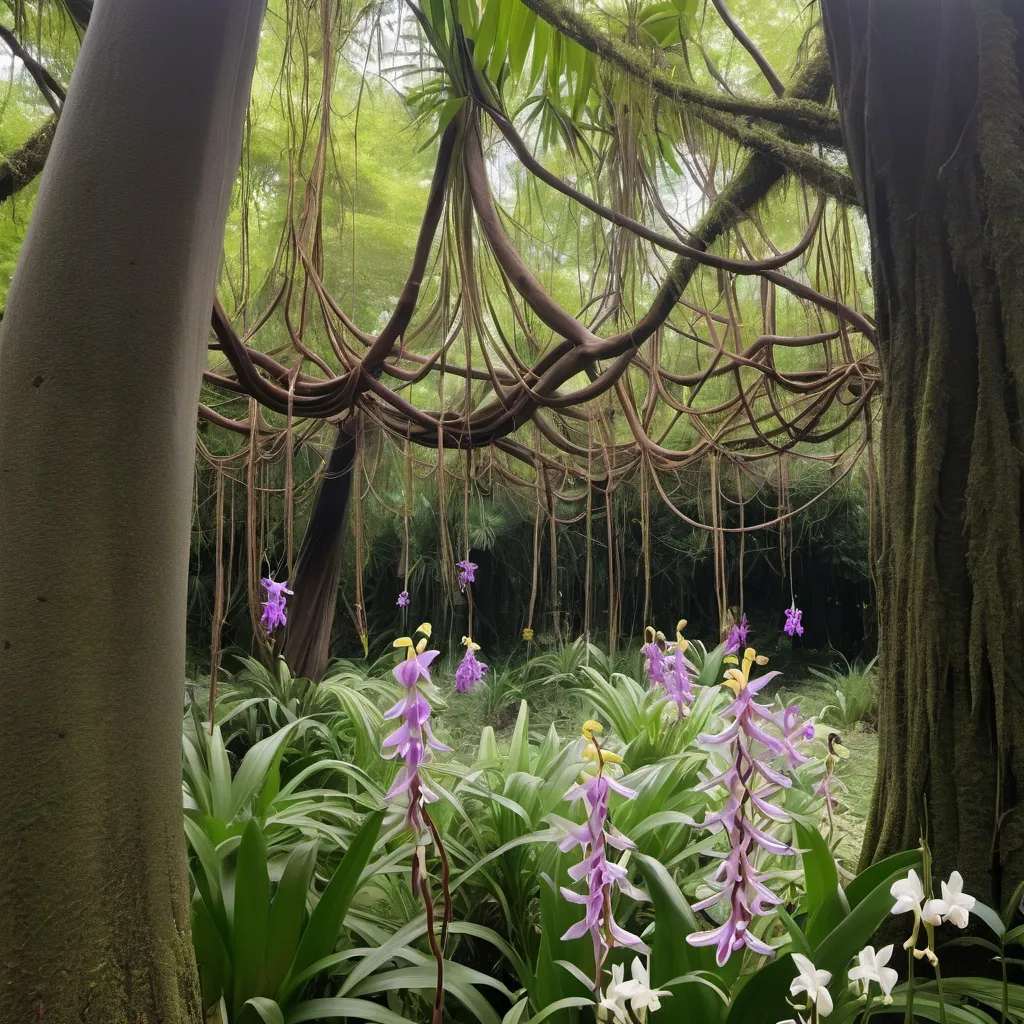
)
(660, 859)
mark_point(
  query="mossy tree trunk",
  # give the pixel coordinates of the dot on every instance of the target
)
(101, 350)
(930, 100)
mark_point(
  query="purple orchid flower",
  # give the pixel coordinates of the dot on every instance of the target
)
(738, 635)
(794, 621)
(470, 670)
(467, 573)
(403, 599)
(679, 673)
(274, 608)
(594, 837)
(654, 657)
(413, 740)
(755, 736)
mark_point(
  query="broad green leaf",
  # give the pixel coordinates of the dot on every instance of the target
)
(488, 30)
(351, 1009)
(321, 934)
(260, 1010)
(990, 917)
(867, 881)
(568, 1003)
(515, 1015)
(220, 776)
(487, 752)
(822, 902)
(796, 934)
(541, 35)
(252, 772)
(211, 955)
(448, 110)
(762, 1000)
(854, 932)
(459, 980)
(557, 915)
(252, 911)
(521, 32)
(519, 748)
(287, 912)
(672, 956)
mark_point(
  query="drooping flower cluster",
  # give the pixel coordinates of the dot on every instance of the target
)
(654, 656)
(274, 608)
(794, 621)
(467, 573)
(413, 740)
(738, 635)
(679, 673)
(755, 737)
(403, 599)
(470, 670)
(594, 837)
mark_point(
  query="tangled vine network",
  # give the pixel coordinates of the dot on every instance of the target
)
(595, 294)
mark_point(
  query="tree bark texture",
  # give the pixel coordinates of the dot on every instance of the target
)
(930, 98)
(101, 351)
(307, 641)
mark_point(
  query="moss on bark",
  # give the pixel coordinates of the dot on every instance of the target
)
(930, 100)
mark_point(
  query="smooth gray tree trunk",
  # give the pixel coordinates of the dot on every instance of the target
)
(101, 350)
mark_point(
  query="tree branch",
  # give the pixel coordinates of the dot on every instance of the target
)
(22, 166)
(812, 120)
(750, 46)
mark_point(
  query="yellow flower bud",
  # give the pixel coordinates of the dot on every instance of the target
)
(424, 628)
(608, 756)
(590, 727)
(402, 641)
(527, 633)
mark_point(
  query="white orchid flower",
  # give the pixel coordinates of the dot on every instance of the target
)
(639, 992)
(871, 967)
(814, 983)
(955, 905)
(613, 1001)
(908, 893)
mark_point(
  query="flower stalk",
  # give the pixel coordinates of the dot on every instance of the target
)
(414, 742)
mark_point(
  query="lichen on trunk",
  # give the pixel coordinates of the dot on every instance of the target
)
(930, 101)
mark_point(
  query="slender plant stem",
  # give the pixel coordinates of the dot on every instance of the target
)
(910, 987)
